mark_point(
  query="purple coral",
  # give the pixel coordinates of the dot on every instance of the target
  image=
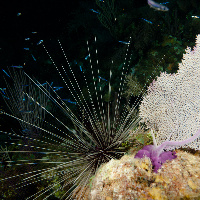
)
(172, 107)
(157, 161)
(158, 156)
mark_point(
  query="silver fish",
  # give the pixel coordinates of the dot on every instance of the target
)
(17, 66)
(157, 6)
(40, 42)
(123, 42)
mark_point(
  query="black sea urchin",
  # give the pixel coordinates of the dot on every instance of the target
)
(63, 141)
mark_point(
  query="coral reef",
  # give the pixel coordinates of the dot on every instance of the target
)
(171, 108)
(80, 136)
(130, 178)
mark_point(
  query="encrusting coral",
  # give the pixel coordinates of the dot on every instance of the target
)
(130, 178)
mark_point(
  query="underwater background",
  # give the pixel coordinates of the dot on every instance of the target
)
(156, 39)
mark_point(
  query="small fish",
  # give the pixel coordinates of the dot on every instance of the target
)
(69, 101)
(27, 49)
(6, 73)
(72, 102)
(40, 42)
(102, 78)
(164, 3)
(34, 32)
(157, 6)
(87, 56)
(3, 90)
(19, 14)
(94, 11)
(18, 67)
(80, 67)
(33, 57)
(123, 42)
(27, 38)
(147, 21)
(41, 84)
(57, 88)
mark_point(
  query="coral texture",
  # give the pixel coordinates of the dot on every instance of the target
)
(130, 178)
(156, 159)
(172, 104)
